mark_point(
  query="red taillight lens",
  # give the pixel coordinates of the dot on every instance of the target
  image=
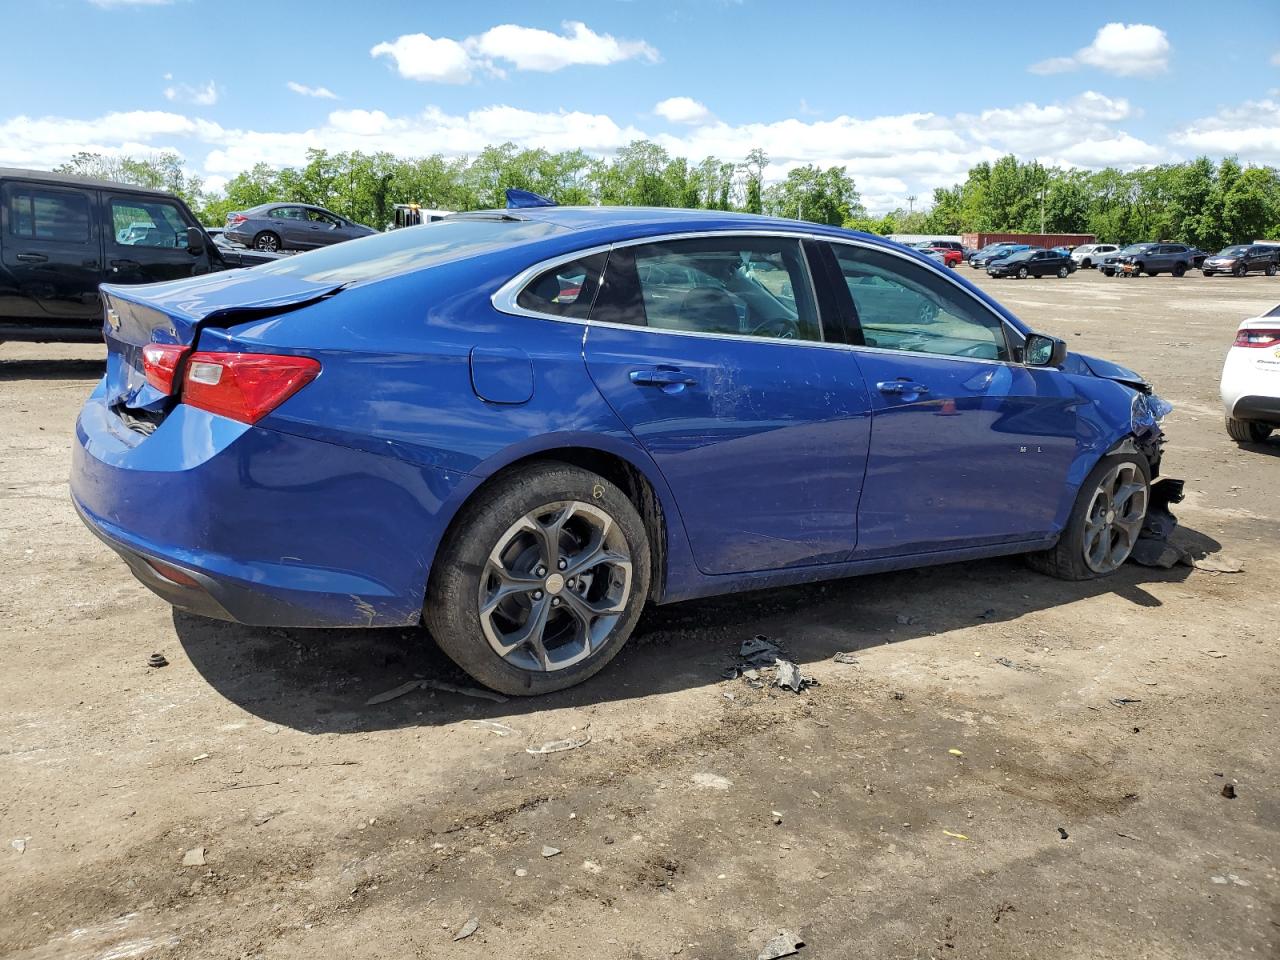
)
(245, 386)
(1257, 338)
(161, 362)
(235, 218)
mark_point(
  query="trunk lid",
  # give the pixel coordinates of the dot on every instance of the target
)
(175, 312)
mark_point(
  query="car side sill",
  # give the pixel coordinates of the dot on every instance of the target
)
(714, 586)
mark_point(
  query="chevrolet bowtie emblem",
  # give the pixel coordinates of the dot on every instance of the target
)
(113, 319)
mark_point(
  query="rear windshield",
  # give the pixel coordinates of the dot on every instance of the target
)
(412, 248)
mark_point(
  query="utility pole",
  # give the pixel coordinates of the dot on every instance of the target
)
(911, 203)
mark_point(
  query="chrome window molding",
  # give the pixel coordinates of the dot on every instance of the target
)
(504, 298)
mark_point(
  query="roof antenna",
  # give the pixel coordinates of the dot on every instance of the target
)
(519, 199)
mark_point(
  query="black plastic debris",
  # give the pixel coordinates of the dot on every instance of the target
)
(1062, 833)
(1153, 548)
(986, 614)
(157, 660)
(1229, 791)
(760, 651)
(1121, 701)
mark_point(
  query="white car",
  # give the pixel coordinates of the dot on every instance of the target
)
(1251, 379)
(1090, 254)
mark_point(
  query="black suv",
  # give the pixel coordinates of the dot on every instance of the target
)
(61, 236)
(1242, 258)
(1152, 259)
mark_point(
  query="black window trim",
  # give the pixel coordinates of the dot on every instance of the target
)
(88, 194)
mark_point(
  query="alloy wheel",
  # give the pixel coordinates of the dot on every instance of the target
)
(1115, 516)
(554, 586)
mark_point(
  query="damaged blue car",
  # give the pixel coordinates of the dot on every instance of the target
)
(521, 426)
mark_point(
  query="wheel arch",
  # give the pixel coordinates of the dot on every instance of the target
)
(620, 464)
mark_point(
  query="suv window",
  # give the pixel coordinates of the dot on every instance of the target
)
(749, 286)
(56, 215)
(147, 223)
(567, 290)
(904, 306)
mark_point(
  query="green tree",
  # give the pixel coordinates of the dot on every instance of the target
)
(819, 196)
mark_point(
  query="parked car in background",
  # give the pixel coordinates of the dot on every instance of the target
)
(949, 250)
(61, 236)
(1154, 259)
(414, 214)
(1033, 263)
(290, 226)
(1088, 254)
(986, 252)
(1251, 379)
(987, 256)
(431, 423)
(1242, 258)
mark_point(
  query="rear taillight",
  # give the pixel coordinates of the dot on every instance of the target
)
(245, 386)
(161, 363)
(1257, 338)
(235, 218)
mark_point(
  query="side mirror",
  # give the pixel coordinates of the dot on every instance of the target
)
(1044, 351)
(195, 241)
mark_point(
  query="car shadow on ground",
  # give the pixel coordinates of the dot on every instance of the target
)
(62, 369)
(1270, 447)
(318, 681)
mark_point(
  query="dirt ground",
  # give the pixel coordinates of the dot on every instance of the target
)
(975, 786)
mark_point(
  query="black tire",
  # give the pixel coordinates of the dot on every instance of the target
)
(1271, 269)
(1247, 431)
(1240, 270)
(1179, 269)
(1065, 560)
(1086, 263)
(1062, 273)
(267, 241)
(452, 611)
(1022, 273)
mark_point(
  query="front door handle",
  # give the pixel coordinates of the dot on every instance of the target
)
(901, 386)
(32, 258)
(125, 264)
(670, 379)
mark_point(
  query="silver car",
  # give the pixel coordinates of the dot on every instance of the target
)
(273, 227)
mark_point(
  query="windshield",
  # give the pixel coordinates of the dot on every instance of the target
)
(1137, 247)
(1020, 255)
(1234, 252)
(411, 248)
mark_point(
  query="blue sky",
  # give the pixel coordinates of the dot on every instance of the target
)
(907, 95)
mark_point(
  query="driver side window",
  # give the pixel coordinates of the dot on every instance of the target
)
(746, 286)
(904, 306)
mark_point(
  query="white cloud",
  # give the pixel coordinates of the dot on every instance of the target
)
(322, 93)
(1125, 49)
(418, 56)
(891, 157)
(527, 48)
(1251, 131)
(1275, 59)
(205, 95)
(682, 110)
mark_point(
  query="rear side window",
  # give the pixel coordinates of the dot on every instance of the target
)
(566, 290)
(56, 215)
(748, 286)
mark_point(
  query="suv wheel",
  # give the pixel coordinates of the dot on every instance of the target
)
(1240, 270)
(1179, 269)
(1271, 269)
(1105, 522)
(1247, 431)
(541, 581)
(1086, 263)
(1062, 273)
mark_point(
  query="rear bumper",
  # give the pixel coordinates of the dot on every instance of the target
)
(1262, 409)
(260, 527)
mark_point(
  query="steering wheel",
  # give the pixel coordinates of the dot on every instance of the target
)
(778, 328)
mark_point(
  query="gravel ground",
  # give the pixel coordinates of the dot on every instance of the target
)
(970, 788)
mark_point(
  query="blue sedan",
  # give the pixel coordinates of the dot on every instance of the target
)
(520, 426)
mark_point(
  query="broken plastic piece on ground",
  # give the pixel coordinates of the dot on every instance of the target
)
(1229, 791)
(394, 692)
(1217, 563)
(759, 651)
(788, 675)
(193, 857)
(1121, 701)
(955, 836)
(549, 852)
(1153, 548)
(784, 944)
(559, 746)
(501, 729)
(468, 929)
(1062, 833)
(848, 658)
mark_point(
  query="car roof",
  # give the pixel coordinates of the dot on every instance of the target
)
(70, 180)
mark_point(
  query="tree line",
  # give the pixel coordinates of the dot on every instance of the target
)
(1200, 202)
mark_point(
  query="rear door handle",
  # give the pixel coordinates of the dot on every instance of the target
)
(32, 258)
(901, 386)
(124, 264)
(665, 377)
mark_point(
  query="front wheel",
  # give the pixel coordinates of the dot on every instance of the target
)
(1086, 263)
(1179, 269)
(1105, 522)
(1022, 273)
(1247, 431)
(1240, 270)
(540, 581)
(1271, 269)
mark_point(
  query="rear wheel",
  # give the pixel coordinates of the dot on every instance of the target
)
(1271, 269)
(1062, 273)
(267, 241)
(1247, 431)
(1105, 522)
(540, 582)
